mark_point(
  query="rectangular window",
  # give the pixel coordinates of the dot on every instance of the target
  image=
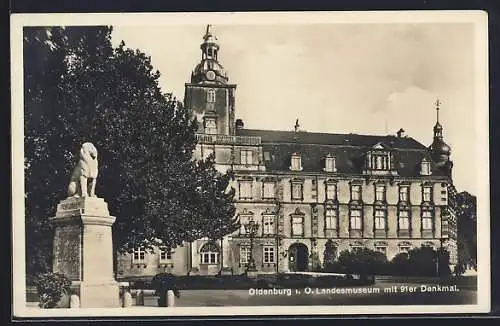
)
(209, 258)
(139, 255)
(269, 189)
(246, 157)
(268, 255)
(404, 220)
(331, 219)
(331, 191)
(267, 156)
(403, 194)
(355, 192)
(268, 224)
(245, 189)
(426, 220)
(297, 226)
(380, 219)
(244, 254)
(427, 194)
(165, 254)
(355, 219)
(425, 168)
(297, 191)
(380, 193)
(380, 162)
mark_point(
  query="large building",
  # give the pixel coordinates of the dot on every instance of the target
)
(389, 193)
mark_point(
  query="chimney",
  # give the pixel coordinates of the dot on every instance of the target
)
(401, 133)
(239, 124)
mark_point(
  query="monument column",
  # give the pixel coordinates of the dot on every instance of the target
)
(83, 246)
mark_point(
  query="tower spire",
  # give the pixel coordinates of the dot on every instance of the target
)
(438, 129)
(438, 103)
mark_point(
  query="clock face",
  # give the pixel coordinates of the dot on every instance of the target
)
(210, 75)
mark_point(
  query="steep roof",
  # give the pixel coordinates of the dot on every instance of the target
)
(273, 136)
(348, 149)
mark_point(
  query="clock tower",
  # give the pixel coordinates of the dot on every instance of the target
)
(209, 96)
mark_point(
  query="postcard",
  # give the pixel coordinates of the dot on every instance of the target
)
(250, 164)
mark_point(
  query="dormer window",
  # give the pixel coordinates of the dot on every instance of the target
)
(425, 167)
(330, 165)
(296, 162)
(211, 96)
(379, 158)
(380, 161)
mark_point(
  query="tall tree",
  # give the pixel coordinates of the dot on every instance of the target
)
(79, 88)
(467, 231)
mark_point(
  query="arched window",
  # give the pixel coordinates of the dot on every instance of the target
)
(211, 96)
(209, 253)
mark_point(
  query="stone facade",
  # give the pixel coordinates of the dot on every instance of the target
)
(387, 193)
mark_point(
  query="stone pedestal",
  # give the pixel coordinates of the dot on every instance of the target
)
(83, 250)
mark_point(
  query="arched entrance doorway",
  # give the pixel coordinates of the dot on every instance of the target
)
(298, 257)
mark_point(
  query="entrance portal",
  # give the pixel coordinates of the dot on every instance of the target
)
(298, 257)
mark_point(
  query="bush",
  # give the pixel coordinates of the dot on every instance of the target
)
(363, 262)
(51, 287)
(423, 261)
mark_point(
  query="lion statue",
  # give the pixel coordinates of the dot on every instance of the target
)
(84, 176)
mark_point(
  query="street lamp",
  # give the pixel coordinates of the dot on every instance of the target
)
(251, 228)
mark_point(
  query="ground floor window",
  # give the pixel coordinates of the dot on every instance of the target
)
(244, 255)
(139, 255)
(269, 256)
(165, 254)
(209, 253)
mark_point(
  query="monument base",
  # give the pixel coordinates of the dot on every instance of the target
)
(83, 250)
(100, 295)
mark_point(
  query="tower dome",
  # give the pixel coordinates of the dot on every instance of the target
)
(440, 150)
(209, 70)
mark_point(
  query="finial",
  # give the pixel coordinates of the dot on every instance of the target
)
(296, 127)
(438, 103)
(209, 29)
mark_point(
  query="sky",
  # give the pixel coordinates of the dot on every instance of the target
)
(338, 78)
